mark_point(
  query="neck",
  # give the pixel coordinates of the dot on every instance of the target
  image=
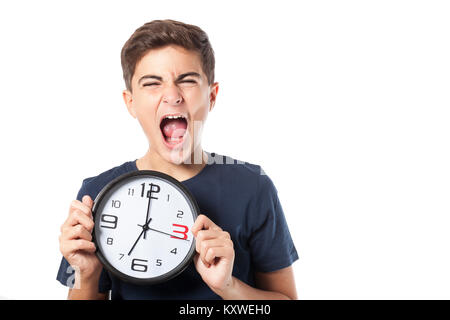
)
(153, 161)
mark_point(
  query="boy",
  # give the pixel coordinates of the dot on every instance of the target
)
(244, 249)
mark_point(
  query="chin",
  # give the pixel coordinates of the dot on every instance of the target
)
(180, 155)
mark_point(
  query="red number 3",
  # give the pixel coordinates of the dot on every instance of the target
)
(184, 233)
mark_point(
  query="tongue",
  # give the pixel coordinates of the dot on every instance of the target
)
(174, 128)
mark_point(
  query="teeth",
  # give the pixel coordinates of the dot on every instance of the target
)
(174, 117)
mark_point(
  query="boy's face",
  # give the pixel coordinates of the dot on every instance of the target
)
(170, 82)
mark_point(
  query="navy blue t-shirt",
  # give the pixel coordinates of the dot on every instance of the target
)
(235, 195)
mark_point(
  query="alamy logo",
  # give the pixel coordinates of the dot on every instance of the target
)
(70, 282)
(183, 153)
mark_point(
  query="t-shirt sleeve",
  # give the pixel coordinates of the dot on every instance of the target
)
(66, 273)
(270, 242)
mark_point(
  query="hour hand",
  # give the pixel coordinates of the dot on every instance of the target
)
(144, 229)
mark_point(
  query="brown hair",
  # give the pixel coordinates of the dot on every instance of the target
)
(159, 33)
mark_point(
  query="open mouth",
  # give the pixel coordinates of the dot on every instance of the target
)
(173, 129)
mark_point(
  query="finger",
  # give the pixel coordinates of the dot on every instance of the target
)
(87, 201)
(71, 246)
(203, 222)
(83, 207)
(196, 257)
(78, 217)
(77, 232)
(218, 252)
(217, 242)
(203, 235)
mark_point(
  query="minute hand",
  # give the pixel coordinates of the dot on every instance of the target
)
(147, 220)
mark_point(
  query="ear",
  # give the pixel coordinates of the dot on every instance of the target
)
(128, 98)
(213, 95)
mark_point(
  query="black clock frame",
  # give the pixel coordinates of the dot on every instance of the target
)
(195, 210)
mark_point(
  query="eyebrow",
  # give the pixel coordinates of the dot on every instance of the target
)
(180, 77)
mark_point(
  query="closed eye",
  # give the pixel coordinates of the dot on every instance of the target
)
(191, 81)
(157, 83)
(150, 84)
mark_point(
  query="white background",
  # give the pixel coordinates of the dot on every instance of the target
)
(345, 104)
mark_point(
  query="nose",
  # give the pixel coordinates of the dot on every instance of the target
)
(172, 96)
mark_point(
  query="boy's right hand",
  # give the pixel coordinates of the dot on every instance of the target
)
(75, 241)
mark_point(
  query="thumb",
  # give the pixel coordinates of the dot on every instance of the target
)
(87, 201)
(197, 262)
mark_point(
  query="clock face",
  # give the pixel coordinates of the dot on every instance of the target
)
(143, 222)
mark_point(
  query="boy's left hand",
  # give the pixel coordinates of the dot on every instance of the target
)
(215, 254)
